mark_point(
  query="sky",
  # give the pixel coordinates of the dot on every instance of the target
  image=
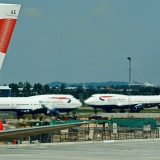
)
(76, 41)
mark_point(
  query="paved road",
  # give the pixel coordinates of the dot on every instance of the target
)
(88, 151)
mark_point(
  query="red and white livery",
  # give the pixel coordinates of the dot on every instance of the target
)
(107, 102)
(52, 104)
(8, 17)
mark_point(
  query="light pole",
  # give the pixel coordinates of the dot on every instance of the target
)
(129, 58)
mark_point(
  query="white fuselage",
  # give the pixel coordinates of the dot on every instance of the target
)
(50, 102)
(121, 101)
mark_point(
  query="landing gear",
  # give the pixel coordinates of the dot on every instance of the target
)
(122, 111)
(108, 109)
(95, 111)
(132, 110)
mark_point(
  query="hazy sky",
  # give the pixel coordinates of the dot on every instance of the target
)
(84, 41)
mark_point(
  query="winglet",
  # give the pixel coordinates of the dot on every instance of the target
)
(8, 17)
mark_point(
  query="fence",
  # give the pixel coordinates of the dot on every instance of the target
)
(97, 134)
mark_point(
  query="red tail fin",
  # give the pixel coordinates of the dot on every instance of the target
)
(8, 18)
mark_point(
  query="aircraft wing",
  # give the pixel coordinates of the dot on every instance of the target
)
(11, 134)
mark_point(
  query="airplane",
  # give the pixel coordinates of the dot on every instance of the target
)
(8, 18)
(107, 102)
(35, 104)
(16, 133)
(51, 104)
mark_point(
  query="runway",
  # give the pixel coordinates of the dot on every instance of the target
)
(85, 151)
(153, 113)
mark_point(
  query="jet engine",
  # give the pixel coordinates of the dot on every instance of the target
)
(53, 112)
(137, 108)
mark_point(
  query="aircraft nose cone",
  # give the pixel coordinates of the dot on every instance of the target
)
(87, 101)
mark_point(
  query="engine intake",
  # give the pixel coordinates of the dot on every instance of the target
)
(53, 112)
(138, 108)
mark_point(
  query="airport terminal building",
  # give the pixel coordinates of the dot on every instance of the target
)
(5, 91)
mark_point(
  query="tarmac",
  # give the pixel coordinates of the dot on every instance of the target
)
(135, 115)
(92, 150)
(152, 114)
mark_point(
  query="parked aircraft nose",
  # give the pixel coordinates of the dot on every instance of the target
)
(87, 101)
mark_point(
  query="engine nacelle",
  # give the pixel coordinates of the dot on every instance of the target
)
(137, 108)
(53, 112)
(26, 111)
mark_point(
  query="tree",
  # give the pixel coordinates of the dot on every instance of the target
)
(63, 86)
(39, 88)
(14, 89)
(47, 89)
(34, 91)
(79, 92)
(20, 85)
(27, 89)
(157, 91)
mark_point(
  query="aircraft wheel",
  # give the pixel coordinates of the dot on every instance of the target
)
(107, 110)
(122, 111)
(95, 111)
(131, 110)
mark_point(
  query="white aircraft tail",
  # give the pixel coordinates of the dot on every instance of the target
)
(8, 17)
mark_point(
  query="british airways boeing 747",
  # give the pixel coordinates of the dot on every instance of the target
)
(52, 103)
(107, 102)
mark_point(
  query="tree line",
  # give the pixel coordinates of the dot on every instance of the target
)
(26, 89)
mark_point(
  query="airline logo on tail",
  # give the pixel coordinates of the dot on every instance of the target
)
(8, 18)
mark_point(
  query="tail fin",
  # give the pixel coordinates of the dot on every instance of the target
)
(8, 18)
